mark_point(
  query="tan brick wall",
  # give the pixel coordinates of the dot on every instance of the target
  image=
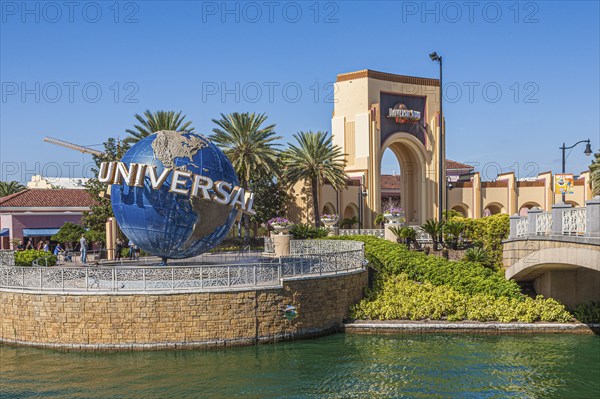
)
(171, 320)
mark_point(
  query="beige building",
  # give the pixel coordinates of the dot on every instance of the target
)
(375, 111)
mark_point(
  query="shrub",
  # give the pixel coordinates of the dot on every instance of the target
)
(588, 312)
(434, 229)
(487, 232)
(397, 297)
(465, 277)
(305, 231)
(478, 255)
(25, 258)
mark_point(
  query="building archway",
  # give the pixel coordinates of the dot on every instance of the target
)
(493, 208)
(462, 209)
(328, 209)
(350, 212)
(526, 207)
(412, 159)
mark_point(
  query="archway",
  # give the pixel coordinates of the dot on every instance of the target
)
(411, 156)
(526, 207)
(350, 212)
(462, 209)
(493, 208)
(574, 204)
(328, 209)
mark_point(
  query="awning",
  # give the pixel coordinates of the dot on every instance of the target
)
(4, 232)
(40, 232)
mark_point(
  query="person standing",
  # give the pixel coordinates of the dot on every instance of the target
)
(40, 245)
(20, 247)
(83, 249)
(47, 246)
(29, 245)
(131, 249)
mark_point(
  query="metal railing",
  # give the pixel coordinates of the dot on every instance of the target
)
(543, 224)
(522, 227)
(328, 257)
(573, 222)
(365, 232)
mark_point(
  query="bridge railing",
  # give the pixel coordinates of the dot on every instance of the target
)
(562, 221)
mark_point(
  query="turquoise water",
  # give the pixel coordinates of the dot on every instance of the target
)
(337, 366)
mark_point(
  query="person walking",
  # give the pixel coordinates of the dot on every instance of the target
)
(40, 245)
(83, 249)
(47, 246)
(119, 249)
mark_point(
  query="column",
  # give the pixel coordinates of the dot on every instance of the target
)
(281, 243)
(592, 217)
(532, 220)
(514, 219)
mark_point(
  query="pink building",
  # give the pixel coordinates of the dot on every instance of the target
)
(37, 214)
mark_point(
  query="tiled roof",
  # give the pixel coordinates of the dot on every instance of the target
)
(450, 164)
(390, 182)
(46, 198)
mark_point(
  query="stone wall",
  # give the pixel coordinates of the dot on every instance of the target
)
(514, 250)
(179, 320)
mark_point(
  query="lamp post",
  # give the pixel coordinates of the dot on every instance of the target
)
(449, 186)
(435, 57)
(361, 194)
(587, 152)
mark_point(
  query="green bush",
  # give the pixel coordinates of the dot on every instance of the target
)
(25, 258)
(306, 231)
(588, 312)
(478, 255)
(471, 278)
(487, 232)
(397, 297)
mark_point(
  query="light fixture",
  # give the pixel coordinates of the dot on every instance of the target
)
(588, 149)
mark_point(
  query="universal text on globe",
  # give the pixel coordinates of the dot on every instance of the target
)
(135, 174)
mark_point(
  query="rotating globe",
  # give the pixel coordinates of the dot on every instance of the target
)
(165, 223)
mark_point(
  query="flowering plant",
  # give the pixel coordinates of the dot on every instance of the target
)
(329, 216)
(394, 211)
(280, 221)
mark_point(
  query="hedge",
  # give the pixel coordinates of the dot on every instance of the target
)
(465, 277)
(399, 298)
(24, 258)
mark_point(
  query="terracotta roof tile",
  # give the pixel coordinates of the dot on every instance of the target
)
(390, 182)
(46, 198)
(450, 164)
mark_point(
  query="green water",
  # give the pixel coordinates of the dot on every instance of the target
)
(338, 366)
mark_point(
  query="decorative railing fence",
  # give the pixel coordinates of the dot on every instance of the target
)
(327, 257)
(365, 232)
(562, 221)
(7, 257)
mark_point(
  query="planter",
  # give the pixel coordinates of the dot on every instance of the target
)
(281, 228)
(329, 222)
(394, 217)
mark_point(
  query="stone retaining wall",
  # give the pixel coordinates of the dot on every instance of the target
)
(179, 320)
(514, 250)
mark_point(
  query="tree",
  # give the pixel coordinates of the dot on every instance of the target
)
(69, 233)
(95, 218)
(10, 187)
(315, 160)
(270, 199)
(152, 122)
(249, 146)
(434, 229)
(595, 174)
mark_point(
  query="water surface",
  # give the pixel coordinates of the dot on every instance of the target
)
(337, 366)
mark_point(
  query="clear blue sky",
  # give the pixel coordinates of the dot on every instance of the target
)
(544, 57)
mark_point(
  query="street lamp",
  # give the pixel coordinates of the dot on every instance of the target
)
(435, 57)
(362, 193)
(587, 152)
(449, 186)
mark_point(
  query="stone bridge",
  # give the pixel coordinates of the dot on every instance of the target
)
(558, 252)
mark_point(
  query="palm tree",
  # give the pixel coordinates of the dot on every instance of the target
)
(595, 172)
(249, 146)
(315, 159)
(152, 122)
(434, 229)
(10, 187)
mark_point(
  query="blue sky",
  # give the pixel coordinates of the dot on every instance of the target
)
(81, 73)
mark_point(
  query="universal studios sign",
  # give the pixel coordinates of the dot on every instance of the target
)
(203, 187)
(403, 115)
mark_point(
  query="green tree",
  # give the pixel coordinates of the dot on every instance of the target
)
(152, 122)
(380, 220)
(270, 199)
(10, 187)
(314, 159)
(69, 233)
(434, 229)
(595, 174)
(95, 218)
(250, 147)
